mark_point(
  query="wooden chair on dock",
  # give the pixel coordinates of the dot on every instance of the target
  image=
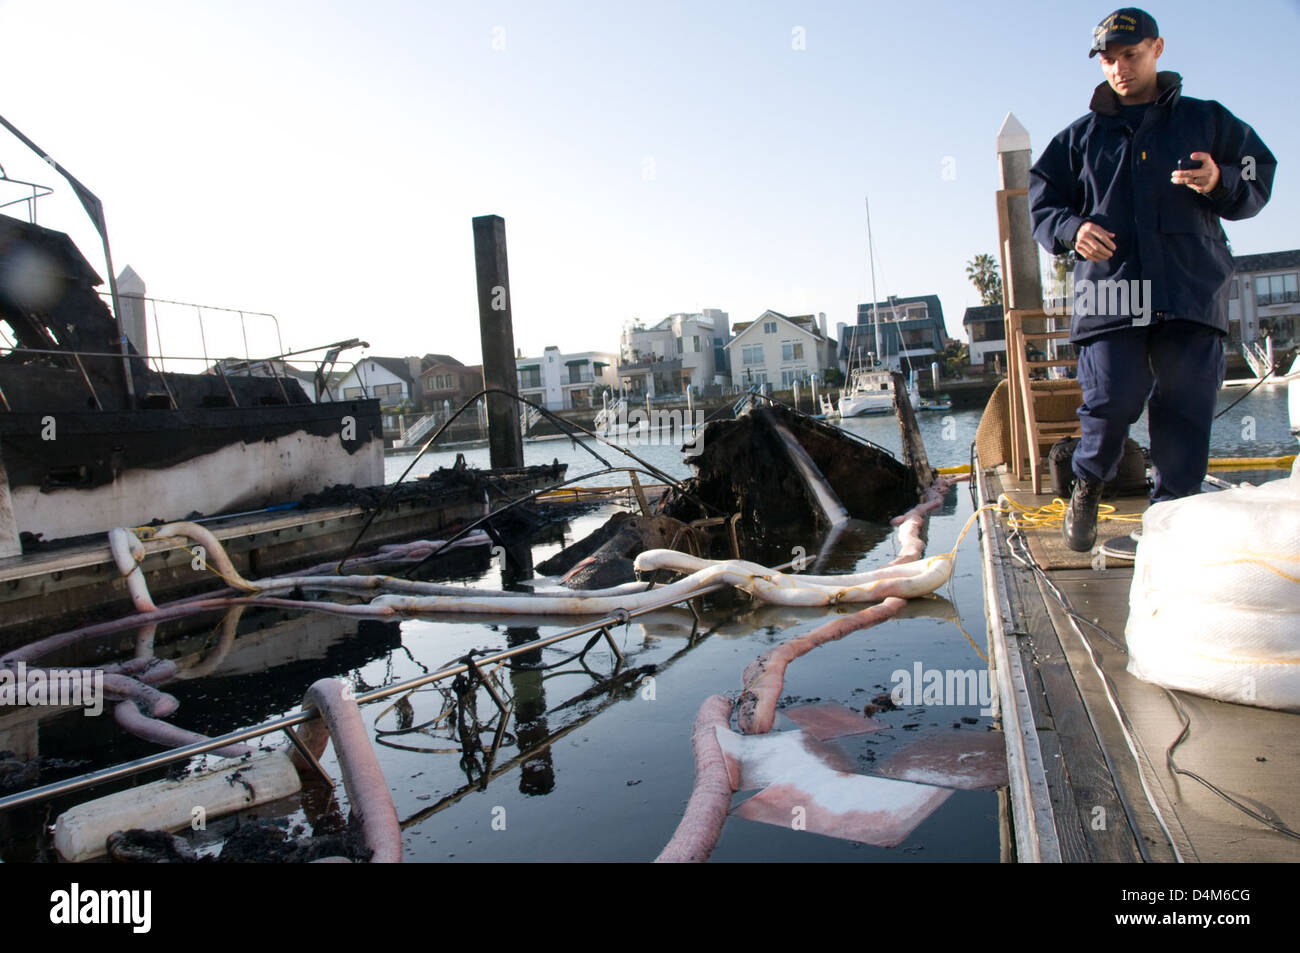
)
(1043, 411)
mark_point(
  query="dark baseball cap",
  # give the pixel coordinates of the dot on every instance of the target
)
(1124, 27)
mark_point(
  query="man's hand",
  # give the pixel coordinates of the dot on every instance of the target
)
(1202, 180)
(1093, 242)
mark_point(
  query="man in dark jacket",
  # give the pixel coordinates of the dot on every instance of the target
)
(1137, 189)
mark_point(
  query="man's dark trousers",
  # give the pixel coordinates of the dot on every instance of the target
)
(1180, 365)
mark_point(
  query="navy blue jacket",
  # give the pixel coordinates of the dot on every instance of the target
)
(1101, 170)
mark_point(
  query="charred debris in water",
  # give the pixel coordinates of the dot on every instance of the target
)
(750, 495)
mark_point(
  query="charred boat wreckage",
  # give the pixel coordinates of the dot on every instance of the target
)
(763, 480)
(98, 446)
(766, 477)
(94, 434)
(97, 432)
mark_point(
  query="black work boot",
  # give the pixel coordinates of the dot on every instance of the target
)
(1080, 524)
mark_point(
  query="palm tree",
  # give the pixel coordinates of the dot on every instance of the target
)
(982, 270)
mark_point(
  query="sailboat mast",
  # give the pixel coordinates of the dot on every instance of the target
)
(872, 259)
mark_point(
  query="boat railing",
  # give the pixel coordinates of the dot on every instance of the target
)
(276, 367)
(37, 192)
(150, 305)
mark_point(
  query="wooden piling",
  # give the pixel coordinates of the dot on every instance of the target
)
(914, 456)
(496, 333)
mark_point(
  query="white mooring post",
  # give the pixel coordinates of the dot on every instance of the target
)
(130, 294)
(1022, 286)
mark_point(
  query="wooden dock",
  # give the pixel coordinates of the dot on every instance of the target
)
(1087, 742)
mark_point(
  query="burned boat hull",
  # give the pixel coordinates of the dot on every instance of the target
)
(746, 466)
(71, 474)
(90, 439)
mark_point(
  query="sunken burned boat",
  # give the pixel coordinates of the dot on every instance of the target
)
(764, 481)
(778, 467)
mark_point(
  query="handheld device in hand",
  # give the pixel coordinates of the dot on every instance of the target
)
(1187, 164)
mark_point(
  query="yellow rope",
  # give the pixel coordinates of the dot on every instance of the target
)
(1019, 516)
(1024, 517)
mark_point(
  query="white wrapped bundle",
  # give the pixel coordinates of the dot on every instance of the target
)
(1215, 603)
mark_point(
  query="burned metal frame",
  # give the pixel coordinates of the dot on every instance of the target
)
(38, 192)
(287, 722)
(219, 366)
(647, 468)
(492, 774)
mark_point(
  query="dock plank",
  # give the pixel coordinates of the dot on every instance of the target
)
(1223, 746)
(1250, 753)
(1083, 773)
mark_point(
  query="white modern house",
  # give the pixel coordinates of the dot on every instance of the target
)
(780, 350)
(1264, 298)
(390, 379)
(564, 381)
(682, 349)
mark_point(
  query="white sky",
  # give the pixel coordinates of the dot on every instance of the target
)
(322, 161)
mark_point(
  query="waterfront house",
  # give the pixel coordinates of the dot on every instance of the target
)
(682, 349)
(445, 380)
(1264, 298)
(779, 350)
(567, 381)
(986, 327)
(389, 379)
(912, 334)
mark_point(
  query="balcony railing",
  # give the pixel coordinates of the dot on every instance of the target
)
(1282, 297)
(653, 363)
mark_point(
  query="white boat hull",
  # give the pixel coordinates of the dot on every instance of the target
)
(864, 406)
(235, 477)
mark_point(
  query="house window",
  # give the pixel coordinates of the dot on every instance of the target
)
(752, 354)
(353, 393)
(769, 327)
(787, 379)
(1232, 290)
(755, 377)
(1276, 289)
(530, 376)
(792, 351)
(981, 331)
(695, 343)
